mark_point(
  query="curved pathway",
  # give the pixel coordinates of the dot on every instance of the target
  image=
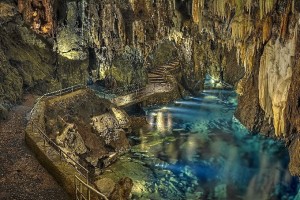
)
(21, 175)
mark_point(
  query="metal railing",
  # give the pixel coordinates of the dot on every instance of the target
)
(77, 166)
(58, 93)
(80, 185)
(84, 191)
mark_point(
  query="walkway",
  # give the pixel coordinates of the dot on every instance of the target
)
(158, 83)
(21, 175)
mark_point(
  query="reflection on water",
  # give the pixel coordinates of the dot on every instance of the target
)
(210, 154)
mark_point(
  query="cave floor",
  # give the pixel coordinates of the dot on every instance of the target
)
(21, 175)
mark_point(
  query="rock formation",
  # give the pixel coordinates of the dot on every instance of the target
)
(253, 45)
(90, 130)
(115, 191)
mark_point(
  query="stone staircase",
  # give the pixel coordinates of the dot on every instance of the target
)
(158, 75)
(157, 83)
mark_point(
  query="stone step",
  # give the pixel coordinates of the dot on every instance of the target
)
(157, 73)
(156, 77)
(173, 64)
(169, 67)
(150, 75)
(160, 70)
(157, 81)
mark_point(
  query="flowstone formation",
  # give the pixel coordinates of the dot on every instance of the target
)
(90, 130)
(264, 36)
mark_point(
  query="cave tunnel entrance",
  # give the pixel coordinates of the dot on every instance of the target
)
(184, 7)
(92, 60)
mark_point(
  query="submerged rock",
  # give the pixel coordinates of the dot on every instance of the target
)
(105, 186)
(122, 190)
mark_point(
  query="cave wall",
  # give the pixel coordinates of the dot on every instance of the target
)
(93, 39)
(250, 44)
(51, 44)
(28, 62)
(263, 37)
(119, 34)
(254, 45)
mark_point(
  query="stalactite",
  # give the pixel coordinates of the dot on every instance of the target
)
(219, 8)
(266, 6)
(267, 29)
(196, 10)
(249, 4)
(285, 20)
(241, 27)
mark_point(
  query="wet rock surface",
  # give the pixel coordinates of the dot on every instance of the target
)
(105, 186)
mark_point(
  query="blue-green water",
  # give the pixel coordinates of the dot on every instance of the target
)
(201, 151)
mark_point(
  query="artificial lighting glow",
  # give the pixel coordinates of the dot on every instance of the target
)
(153, 114)
(151, 119)
(160, 122)
(210, 97)
(164, 108)
(170, 122)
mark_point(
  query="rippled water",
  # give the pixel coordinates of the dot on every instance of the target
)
(200, 151)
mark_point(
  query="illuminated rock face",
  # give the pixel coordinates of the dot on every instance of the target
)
(250, 44)
(263, 34)
(39, 14)
(274, 81)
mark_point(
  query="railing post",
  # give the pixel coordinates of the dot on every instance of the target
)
(76, 181)
(44, 142)
(89, 193)
(80, 190)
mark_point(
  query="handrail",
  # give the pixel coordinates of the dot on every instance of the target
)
(78, 167)
(60, 151)
(90, 188)
(62, 91)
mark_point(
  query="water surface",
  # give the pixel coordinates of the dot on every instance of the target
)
(196, 149)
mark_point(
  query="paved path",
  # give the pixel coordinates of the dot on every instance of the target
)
(21, 175)
(157, 84)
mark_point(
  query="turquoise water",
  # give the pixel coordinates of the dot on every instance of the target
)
(209, 154)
